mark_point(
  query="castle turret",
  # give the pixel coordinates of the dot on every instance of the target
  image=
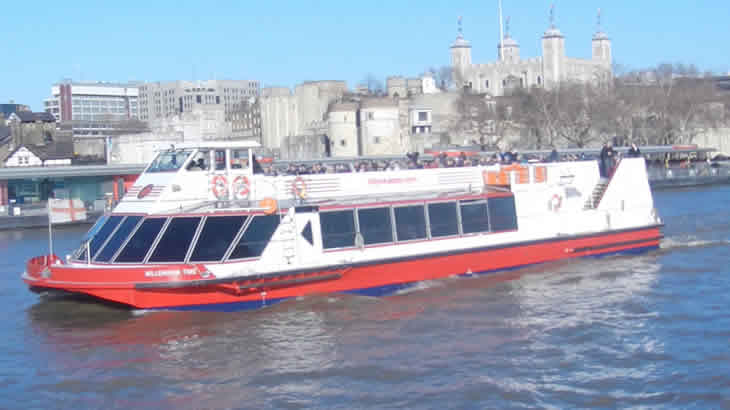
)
(601, 46)
(508, 50)
(553, 53)
(460, 56)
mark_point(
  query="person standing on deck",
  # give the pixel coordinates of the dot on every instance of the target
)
(634, 151)
(603, 159)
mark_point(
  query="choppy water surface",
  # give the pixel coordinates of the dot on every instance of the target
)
(648, 331)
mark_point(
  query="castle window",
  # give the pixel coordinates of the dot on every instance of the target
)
(504, 83)
(539, 80)
(486, 83)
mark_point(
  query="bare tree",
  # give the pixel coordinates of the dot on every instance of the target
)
(374, 84)
(443, 76)
(482, 120)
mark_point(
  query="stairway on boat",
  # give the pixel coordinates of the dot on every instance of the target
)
(598, 191)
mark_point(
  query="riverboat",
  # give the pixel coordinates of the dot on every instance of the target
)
(203, 227)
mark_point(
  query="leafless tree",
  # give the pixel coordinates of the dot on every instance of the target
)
(482, 120)
(374, 84)
(443, 76)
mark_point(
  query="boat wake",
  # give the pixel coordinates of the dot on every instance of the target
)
(690, 241)
(419, 286)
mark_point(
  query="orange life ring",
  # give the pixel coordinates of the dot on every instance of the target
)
(241, 187)
(299, 188)
(269, 205)
(219, 186)
(555, 202)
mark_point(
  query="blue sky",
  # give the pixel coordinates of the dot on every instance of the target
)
(286, 42)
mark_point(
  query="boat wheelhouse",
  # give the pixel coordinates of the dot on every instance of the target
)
(204, 227)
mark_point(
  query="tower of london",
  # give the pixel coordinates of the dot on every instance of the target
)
(511, 71)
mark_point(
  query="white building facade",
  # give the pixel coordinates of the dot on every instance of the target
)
(95, 102)
(159, 100)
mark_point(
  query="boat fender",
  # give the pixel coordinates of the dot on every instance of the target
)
(299, 187)
(219, 185)
(555, 202)
(241, 187)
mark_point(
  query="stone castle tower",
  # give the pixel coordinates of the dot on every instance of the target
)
(508, 50)
(511, 70)
(460, 54)
(601, 46)
(553, 53)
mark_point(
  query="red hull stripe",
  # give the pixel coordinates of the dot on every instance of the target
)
(358, 278)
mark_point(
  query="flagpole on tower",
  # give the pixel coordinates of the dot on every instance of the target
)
(501, 33)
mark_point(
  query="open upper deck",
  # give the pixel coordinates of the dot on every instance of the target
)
(218, 175)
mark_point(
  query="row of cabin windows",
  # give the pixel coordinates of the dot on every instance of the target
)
(134, 239)
(372, 226)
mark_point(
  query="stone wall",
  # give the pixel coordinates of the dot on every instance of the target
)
(302, 147)
(718, 138)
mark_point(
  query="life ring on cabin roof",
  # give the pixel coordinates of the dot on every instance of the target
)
(299, 188)
(219, 186)
(241, 187)
(555, 202)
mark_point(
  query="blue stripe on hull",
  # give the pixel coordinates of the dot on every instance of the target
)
(378, 291)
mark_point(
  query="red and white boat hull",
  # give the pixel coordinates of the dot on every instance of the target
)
(194, 287)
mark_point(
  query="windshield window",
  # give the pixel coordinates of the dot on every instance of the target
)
(169, 161)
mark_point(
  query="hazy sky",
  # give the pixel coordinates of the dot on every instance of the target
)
(286, 42)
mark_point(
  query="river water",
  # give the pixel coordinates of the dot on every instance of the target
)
(617, 332)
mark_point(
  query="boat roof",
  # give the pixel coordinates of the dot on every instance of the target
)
(219, 144)
(645, 149)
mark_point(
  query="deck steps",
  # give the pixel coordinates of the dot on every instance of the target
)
(598, 191)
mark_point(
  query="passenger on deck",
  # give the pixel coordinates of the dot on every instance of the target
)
(197, 165)
(554, 156)
(634, 151)
(606, 160)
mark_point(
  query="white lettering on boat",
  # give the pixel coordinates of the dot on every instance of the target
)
(171, 272)
(378, 181)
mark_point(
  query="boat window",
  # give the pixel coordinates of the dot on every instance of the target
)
(95, 228)
(140, 243)
(220, 159)
(200, 161)
(112, 246)
(338, 229)
(257, 236)
(443, 220)
(239, 158)
(80, 253)
(169, 161)
(104, 233)
(474, 216)
(216, 237)
(375, 225)
(502, 214)
(174, 244)
(410, 222)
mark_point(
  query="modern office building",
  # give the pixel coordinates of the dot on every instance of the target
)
(165, 99)
(93, 102)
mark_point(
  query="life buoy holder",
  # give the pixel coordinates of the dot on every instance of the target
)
(241, 187)
(299, 188)
(555, 202)
(219, 186)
